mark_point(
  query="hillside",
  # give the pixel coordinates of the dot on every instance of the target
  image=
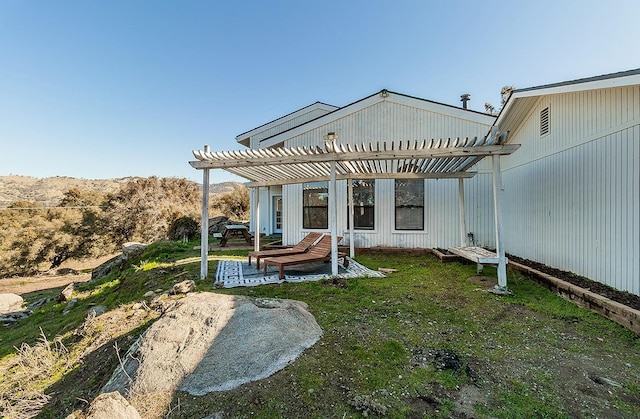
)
(49, 191)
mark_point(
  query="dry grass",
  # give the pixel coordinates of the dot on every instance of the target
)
(19, 398)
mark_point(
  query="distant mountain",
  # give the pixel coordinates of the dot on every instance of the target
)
(49, 191)
(223, 187)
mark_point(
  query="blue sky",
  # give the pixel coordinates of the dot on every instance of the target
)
(105, 89)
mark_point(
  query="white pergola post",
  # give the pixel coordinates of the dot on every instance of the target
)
(204, 234)
(497, 189)
(256, 220)
(333, 223)
(463, 222)
(352, 246)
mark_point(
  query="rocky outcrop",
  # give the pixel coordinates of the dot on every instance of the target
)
(133, 249)
(108, 266)
(112, 406)
(65, 294)
(10, 303)
(183, 287)
(210, 342)
(11, 309)
(129, 250)
(220, 223)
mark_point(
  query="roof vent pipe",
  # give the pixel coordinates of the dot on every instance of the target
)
(464, 99)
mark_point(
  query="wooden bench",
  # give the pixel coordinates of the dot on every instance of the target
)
(478, 255)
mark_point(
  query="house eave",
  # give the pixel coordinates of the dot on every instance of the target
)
(522, 100)
(244, 138)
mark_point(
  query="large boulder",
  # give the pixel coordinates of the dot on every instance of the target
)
(65, 294)
(218, 224)
(133, 249)
(112, 406)
(10, 303)
(108, 266)
(183, 287)
(129, 250)
(212, 342)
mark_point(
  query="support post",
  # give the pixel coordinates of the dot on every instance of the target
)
(204, 234)
(463, 222)
(352, 221)
(497, 188)
(333, 223)
(256, 219)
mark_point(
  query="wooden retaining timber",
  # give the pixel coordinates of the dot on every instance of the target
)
(612, 310)
(445, 257)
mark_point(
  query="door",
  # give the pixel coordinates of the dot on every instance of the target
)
(276, 210)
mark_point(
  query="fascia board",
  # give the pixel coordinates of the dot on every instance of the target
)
(372, 100)
(567, 88)
(580, 87)
(284, 119)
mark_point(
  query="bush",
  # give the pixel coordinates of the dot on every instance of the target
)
(234, 204)
(184, 228)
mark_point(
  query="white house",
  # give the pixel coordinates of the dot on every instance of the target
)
(570, 195)
(430, 218)
(572, 191)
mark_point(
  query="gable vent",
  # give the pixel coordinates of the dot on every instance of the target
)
(544, 121)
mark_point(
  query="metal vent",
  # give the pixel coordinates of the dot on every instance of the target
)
(544, 121)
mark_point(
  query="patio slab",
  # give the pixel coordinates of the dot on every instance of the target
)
(232, 273)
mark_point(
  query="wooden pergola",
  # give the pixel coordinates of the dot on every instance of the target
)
(435, 159)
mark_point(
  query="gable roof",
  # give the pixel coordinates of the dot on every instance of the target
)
(522, 101)
(378, 97)
(324, 107)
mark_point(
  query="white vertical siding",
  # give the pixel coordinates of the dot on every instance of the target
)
(572, 198)
(266, 209)
(388, 121)
(441, 215)
(479, 209)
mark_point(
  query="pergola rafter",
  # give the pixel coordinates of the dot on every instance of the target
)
(429, 160)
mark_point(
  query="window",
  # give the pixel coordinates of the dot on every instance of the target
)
(363, 204)
(315, 205)
(544, 121)
(409, 204)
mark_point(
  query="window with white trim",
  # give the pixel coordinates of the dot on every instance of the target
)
(409, 204)
(315, 205)
(364, 201)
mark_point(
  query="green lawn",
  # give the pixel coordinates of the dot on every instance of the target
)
(423, 342)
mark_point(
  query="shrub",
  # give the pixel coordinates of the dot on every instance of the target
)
(184, 228)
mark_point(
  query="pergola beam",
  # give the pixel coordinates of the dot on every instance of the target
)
(290, 181)
(279, 158)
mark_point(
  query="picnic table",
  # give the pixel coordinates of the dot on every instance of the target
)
(236, 230)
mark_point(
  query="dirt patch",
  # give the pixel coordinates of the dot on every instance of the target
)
(27, 285)
(485, 281)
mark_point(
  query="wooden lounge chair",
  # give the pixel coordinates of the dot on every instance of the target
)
(301, 247)
(321, 251)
